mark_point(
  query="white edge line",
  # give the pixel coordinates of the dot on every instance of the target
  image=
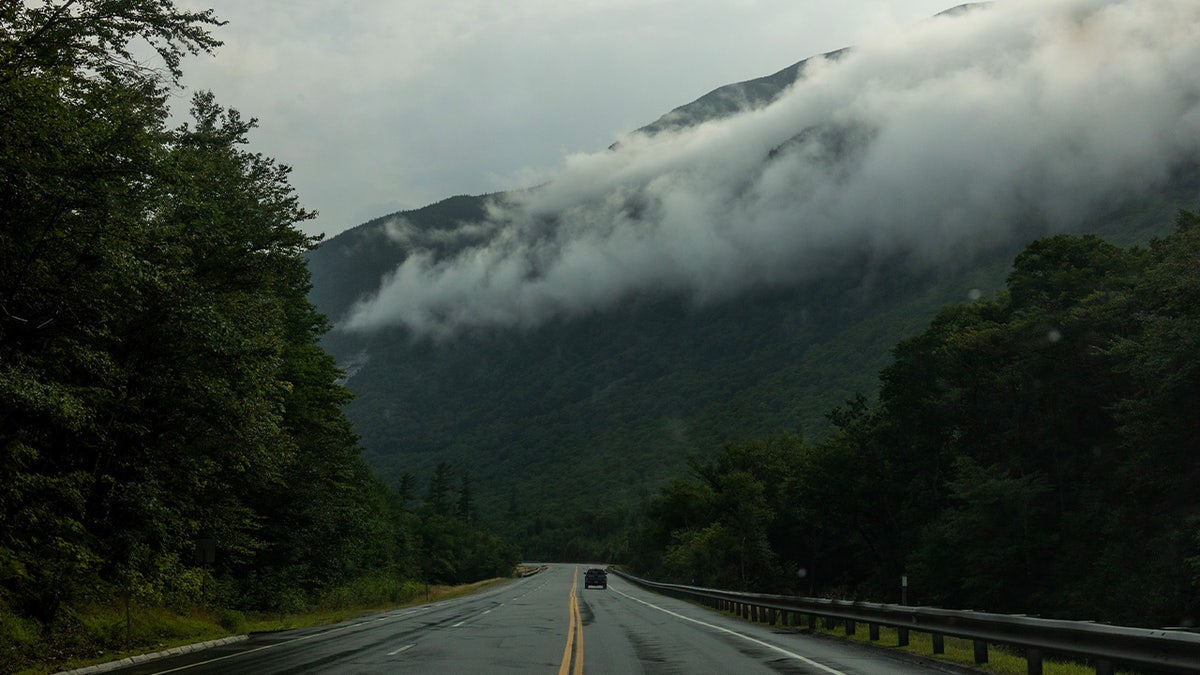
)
(756, 641)
(259, 649)
(402, 649)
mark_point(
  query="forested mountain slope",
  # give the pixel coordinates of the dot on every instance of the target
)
(568, 416)
(578, 419)
(1029, 452)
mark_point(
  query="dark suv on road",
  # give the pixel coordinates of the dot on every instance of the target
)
(595, 577)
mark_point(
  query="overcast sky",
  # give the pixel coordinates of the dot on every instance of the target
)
(387, 105)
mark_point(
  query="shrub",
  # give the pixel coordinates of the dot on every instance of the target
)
(232, 621)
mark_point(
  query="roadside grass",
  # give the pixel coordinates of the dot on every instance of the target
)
(96, 633)
(1001, 660)
(419, 594)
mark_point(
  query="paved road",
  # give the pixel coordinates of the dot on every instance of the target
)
(546, 623)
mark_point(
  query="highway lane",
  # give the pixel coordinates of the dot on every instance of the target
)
(541, 624)
(517, 627)
(631, 630)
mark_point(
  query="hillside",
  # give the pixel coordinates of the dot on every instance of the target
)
(567, 415)
(583, 418)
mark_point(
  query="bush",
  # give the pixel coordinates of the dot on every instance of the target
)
(371, 591)
(232, 621)
(19, 637)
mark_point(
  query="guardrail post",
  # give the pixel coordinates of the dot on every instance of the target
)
(873, 631)
(812, 622)
(772, 617)
(1104, 667)
(851, 627)
(939, 643)
(901, 637)
(1033, 661)
(981, 651)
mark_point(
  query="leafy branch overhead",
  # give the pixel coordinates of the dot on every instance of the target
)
(99, 37)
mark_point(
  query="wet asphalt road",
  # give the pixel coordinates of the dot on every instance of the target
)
(547, 623)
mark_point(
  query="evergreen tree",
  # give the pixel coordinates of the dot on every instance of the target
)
(466, 499)
(438, 496)
(162, 387)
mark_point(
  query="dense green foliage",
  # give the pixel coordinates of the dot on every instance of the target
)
(170, 430)
(1035, 451)
(568, 427)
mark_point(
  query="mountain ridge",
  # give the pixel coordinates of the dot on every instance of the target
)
(566, 425)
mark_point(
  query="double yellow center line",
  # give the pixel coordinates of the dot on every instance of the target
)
(574, 649)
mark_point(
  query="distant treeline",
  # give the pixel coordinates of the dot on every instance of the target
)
(170, 430)
(1037, 451)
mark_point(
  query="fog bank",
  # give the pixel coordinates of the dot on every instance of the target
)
(930, 142)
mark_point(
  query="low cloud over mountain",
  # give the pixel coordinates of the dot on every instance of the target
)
(927, 143)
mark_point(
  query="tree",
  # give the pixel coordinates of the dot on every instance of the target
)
(1159, 433)
(1025, 452)
(93, 38)
(991, 543)
(438, 496)
(80, 151)
(161, 380)
(466, 499)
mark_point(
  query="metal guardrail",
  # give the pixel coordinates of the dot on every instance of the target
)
(1100, 644)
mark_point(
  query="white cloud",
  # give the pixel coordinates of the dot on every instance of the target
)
(927, 141)
(381, 105)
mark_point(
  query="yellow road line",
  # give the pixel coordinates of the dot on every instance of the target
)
(579, 636)
(574, 632)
